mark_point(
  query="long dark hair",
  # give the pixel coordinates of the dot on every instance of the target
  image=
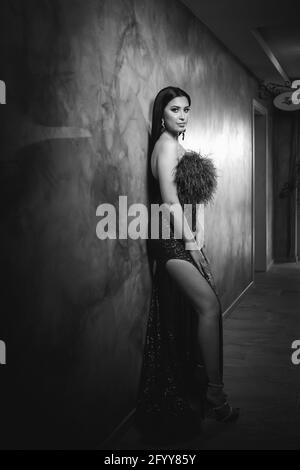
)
(163, 97)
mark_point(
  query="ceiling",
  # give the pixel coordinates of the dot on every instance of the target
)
(264, 35)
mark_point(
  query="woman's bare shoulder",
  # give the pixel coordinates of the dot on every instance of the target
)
(166, 147)
(181, 151)
(166, 144)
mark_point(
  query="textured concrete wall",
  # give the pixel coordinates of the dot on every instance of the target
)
(81, 79)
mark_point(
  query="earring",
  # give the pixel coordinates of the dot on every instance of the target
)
(183, 132)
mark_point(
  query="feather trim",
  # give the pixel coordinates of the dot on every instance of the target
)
(195, 178)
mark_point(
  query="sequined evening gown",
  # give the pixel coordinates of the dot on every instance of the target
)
(163, 411)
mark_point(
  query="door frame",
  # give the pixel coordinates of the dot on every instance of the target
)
(257, 107)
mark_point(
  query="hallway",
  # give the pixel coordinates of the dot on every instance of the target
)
(258, 373)
(89, 89)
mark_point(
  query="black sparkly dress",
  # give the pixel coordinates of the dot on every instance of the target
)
(163, 411)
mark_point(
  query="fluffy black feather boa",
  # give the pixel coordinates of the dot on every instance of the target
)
(195, 178)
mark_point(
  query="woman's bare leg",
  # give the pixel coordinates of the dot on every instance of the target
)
(207, 308)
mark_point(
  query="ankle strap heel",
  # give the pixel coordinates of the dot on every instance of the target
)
(221, 409)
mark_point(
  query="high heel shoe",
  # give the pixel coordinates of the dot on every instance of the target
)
(220, 408)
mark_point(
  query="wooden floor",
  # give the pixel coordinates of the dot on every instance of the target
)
(258, 372)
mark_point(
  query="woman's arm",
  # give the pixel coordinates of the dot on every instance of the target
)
(166, 163)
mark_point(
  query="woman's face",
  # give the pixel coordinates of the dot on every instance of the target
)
(176, 114)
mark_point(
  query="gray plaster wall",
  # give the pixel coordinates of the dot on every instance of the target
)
(81, 78)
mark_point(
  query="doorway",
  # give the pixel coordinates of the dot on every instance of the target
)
(260, 188)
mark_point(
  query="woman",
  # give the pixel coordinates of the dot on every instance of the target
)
(184, 299)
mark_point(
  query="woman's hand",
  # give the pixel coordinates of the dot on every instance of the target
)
(196, 255)
(200, 237)
(203, 249)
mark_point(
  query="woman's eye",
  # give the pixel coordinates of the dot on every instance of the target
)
(175, 110)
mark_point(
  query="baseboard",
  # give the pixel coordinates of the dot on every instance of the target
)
(293, 259)
(118, 431)
(237, 301)
(270, 264)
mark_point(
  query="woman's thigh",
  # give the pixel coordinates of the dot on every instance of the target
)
(193, 284)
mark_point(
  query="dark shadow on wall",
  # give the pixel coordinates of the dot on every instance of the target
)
(286, 146)
(44, 404)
